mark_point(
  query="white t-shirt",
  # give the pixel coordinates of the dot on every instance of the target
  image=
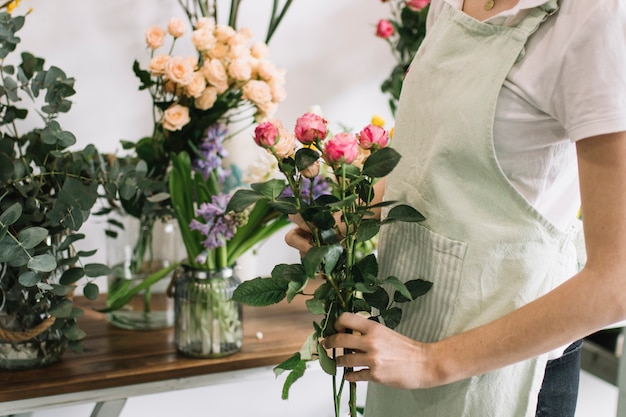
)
(570, 85)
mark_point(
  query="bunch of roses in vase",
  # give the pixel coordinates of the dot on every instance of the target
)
(229, 81)
(338, 220)
(404, 32)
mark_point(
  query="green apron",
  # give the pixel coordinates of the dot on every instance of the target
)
(485, 248)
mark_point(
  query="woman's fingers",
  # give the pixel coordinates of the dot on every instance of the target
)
(299, 239)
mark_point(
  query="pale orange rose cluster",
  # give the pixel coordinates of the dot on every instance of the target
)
(228, 60)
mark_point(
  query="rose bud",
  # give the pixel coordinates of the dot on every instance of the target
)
(310, 127)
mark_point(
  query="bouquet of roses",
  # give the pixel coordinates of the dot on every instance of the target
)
(339, 220)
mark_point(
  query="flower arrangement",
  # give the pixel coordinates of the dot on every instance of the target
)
(339, 220)
(46, 194)
(196, 99)
(404, 32)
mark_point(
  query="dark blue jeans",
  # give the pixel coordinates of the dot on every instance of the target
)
(559, 390)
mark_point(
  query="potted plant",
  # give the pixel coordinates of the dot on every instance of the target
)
(46, 194)
(230, 83)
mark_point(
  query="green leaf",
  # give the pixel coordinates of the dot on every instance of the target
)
(380, 163)
(91, 291)
(404, 213)
(69, 240)
(398, 286)
(42, 263)
(242, 199)
(293, 376)
(305, 157)
(72, 275)
(11, 215)
(329, 254)
(29, 279)
(368, 229)
(288, 365)
(32, 236)
(271, 189)
(63, 309)
(392, 317)
(315, 306)
(327, 363)
(379, 299)
(97, 270)
(73, 332)
(260, 292)
(416, 287)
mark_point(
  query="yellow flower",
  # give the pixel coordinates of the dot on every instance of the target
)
(378, 121)
(13, 5)
(391, 133)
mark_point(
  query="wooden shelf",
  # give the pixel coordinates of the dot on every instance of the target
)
(116, 358)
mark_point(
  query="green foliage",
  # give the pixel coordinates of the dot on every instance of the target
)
(409, 32)
(46, 193)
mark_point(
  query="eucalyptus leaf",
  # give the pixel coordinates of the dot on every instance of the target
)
(62, 309)
(29, 279)
(91, 291)
(42, 263)
(96, 270)
(11, 215)
(73, 332)
(32, 236)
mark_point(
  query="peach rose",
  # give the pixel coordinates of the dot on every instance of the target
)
(286, 145)
(179, 70)
(223, 33)
(215, 74)
(155, 36)
(240, 69)
(238, 51)
(257, 92)
(218, 51)
(203, 39)
(196, 86)
(266, 69)
(278, 91)
(259, 50)
(207, 99)
(157, 64)
(205, 23)
(176, 27)
(175, 117)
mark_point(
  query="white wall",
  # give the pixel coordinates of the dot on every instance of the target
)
(328, 48)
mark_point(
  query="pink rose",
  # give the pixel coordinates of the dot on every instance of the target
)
(384, 29)
(343, 147)
(175, 117)
(155, 36)
(266, 134)
(373, 137)
(176, 27)
(417, 5)
(310, 127)
(273, 135)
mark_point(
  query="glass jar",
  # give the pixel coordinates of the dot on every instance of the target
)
(134, 255)
(41, 350)
(208, 324)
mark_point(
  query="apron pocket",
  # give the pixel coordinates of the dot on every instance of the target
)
(409, 251)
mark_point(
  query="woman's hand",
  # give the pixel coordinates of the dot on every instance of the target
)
(300, 236)
(383, 355)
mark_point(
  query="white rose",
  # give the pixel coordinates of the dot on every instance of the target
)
(175, 117)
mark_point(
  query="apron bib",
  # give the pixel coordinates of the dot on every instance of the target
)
(485, 248)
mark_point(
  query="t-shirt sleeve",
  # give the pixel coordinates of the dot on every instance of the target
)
(590, 97)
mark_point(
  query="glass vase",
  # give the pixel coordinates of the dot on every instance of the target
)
(208, 324)
(139, 252)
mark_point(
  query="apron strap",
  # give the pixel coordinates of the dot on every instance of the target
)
(533, 20)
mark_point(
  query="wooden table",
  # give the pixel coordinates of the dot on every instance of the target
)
(118, 364)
